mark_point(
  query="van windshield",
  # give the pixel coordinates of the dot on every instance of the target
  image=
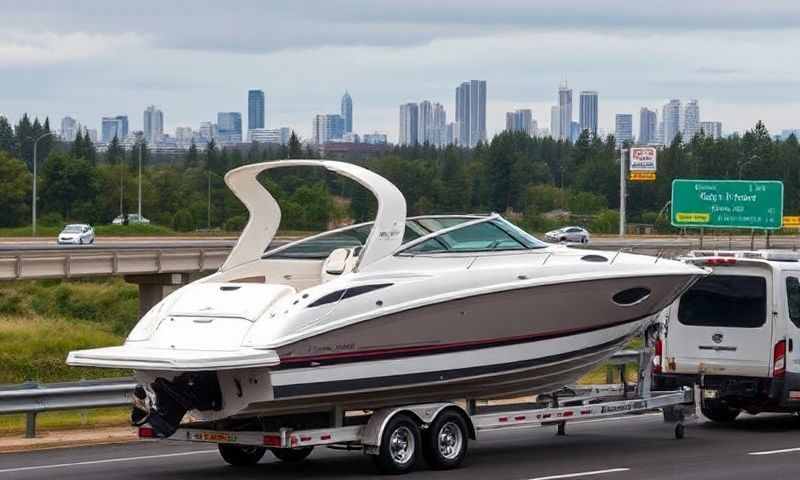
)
(725, 301)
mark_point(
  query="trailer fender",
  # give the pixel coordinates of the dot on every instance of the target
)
(424, 413)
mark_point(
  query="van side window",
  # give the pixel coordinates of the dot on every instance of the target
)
(793, 296)
(725, 301)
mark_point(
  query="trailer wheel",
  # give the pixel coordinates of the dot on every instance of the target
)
(400, 444)
(241, 455)
(291, 455)
(680, 431)
(445, 441)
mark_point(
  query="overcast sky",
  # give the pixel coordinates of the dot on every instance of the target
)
(195, 58)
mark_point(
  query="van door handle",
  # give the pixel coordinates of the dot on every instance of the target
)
(791, 345)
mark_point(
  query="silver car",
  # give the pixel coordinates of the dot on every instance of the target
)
(568, 234)
(76, 234)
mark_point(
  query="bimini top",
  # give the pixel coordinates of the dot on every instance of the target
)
(265, 214)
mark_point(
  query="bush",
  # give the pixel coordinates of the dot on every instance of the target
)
(52, 219)
(235, 223)
(606, 222)
(183, 221)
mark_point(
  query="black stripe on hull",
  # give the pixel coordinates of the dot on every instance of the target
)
(281, 392)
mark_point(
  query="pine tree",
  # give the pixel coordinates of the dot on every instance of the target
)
(7, 142)
(295, 149)
(192, 157)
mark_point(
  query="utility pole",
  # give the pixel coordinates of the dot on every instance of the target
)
(208, 225)
(141, 144)
(35, 152)
(622, 185)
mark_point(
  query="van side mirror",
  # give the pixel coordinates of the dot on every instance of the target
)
(337, 261)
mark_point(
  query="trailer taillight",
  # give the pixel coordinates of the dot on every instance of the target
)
(779, 359)
(147, 432)
(658, 356)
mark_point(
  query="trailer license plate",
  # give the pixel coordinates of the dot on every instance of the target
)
(710, 393)
(218, 437)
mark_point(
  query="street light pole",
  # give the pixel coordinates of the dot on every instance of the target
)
(622, 185)
(140, 181)
(35, 151)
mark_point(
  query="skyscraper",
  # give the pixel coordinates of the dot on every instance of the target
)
(69, 129)
(114, 127)
(439, 130)
(153, 125)
(555, 121)
(471, 112)
(624, 128)
(648, 120)
(671, 117)
(409, 124)
(690, 121)
(520, 121)
(564, 112)
(327, 127)
(347, 112)
(425, 122)
(229, 127)
(588, 112)
(256, 109)
(714, 129)
(574, 131)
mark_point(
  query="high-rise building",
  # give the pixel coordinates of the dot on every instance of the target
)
(520, 121)
(153, 125)
(92, 132)
(270, 135)
(229, 127)
(347, 112)
(555, 122)
(534, 131)
(439, 129)
(564, 112)
(327, 127)
(712, 129)
(375, 138)
(574, 131)
(451, 134)
(208, 131)
(671, 117)
(409, 124)
(471, 112)
(256, 109)
(184, 136)
(690, 120)
(114, 127)
(623, 126)
(660, 133)
(69, 129)
(588, 112)
(648, 120)
(425, 122)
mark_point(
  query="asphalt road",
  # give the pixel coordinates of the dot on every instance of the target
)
(639, 447)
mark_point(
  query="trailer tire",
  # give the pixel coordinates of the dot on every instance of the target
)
(400, 445)
(241, 455)
(291, 455)
(720, 413)
(445, 441)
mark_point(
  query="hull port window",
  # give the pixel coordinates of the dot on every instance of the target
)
(347, 293)
(631, 296)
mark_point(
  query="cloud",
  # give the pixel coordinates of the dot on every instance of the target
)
(22, 49)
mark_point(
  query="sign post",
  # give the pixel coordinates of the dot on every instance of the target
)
(622, 186)
(750, 204)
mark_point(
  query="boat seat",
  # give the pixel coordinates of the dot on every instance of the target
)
(339, 262)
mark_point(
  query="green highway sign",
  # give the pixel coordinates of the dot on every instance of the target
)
(727, 204)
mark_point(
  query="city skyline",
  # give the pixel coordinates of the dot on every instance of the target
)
(375, 54)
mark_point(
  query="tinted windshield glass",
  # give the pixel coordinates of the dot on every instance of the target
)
(725, 301)
(72, 229)
(485, 236)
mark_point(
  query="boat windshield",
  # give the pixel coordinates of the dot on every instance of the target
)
(320, 246)
(493, 235)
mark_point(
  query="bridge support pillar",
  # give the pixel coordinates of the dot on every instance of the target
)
(154, 287)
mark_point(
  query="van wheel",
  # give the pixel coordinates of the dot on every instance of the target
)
(241, 455)
(291, 455)
(400, 444)
(445, 441)
(720, 413)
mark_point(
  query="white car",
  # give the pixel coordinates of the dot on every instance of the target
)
(568, 234)
(133, 218)
(77, 234)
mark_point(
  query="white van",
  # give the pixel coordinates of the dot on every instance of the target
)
(733, 333)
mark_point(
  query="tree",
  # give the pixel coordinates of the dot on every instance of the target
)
(192, 157)
(7, 141)
(295, 149)
(66, 181)
(15, 191)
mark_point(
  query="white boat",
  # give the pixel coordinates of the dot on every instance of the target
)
(399, 310)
